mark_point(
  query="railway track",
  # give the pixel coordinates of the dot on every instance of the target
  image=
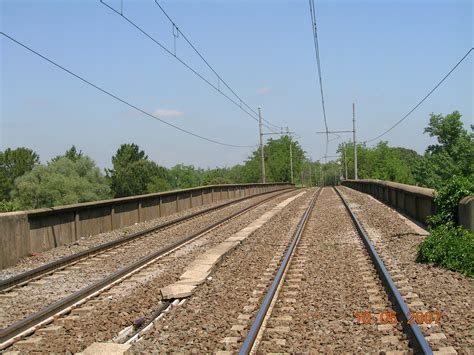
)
(33, 322)
(48, 269)
(270, 332)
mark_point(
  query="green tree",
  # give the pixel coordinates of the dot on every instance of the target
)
(13, 164)
(453, 155)
(71, 154)
(217, 176)
(61, 182)
(277, 162)
(381, 162)
(183, 176)
(134, 174)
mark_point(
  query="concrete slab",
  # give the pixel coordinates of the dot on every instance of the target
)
(195, 277)
(51, 330)
(177, 290)
(209, 259)
(29, 344)
(237, 238)
(201, 267)
(106, 349)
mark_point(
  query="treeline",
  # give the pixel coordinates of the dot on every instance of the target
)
(73, 177)
(453, 155)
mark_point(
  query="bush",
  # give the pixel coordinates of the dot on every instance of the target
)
(449, 245)
(61, 182)
(447, 200)
(10, 206)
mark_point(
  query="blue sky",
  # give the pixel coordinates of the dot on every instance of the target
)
(382, 55)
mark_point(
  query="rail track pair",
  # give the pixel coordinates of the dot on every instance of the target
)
(416, 339)
(30, 324)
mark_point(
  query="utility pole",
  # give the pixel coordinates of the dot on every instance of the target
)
(355, 142)
(309, 175)
(345, 159)
(261, 144)
(291, 154)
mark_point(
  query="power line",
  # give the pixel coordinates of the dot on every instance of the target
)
(422, 100)
(211, 68)
(118, 98)
(237, 102)
(312, 10)
(318, 59)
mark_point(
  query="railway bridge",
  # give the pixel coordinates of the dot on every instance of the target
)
(233, 269)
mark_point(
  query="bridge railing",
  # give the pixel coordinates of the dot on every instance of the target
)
(416, 202)
(22, 233)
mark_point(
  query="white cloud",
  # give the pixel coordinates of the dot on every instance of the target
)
(264, 90)
(167, 113)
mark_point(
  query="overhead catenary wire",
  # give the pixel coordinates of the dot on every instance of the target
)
(77, 76)
(423, 99)
(241, 104)
(210, 66)
(314, 28)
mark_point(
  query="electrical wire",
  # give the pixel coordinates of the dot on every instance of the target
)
(237, 102)
(423, 99)
(118, 98)
(312, 10)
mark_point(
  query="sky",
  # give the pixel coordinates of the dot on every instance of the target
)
(384, 56)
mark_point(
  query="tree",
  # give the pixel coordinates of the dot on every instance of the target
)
(381, 162)
(61, 182)
(134, 174)
(13, 164)
(71, 154)
(184, 176)
(453, 155)
(277, 162)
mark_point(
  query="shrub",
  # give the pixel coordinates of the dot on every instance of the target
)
(10, 206)
(448, 245)
(447, 199)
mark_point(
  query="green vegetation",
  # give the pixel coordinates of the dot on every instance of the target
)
(13, 164)
(449, 245)
(134, 174)
(453, 155)
(382, 162)
(73, 177)
(61, 182)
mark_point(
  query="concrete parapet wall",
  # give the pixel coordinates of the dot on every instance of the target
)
(416, 202)
(466, 213)
(22, 233)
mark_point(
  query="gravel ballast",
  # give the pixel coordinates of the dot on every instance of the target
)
(140, 295)
(439, 289)
(37, 295)
(329, 281)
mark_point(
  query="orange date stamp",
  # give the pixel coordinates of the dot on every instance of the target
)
(390, 317)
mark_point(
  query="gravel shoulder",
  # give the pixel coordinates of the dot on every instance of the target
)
(439, 289)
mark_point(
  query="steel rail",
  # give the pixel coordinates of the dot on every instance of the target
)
(415, 336)
(47, 269)
(262, 312)
(27, 325)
